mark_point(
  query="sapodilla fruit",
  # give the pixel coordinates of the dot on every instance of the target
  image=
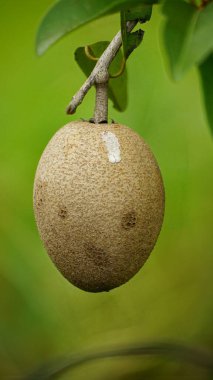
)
(99, 203)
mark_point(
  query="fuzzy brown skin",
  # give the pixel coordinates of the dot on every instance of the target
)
(98, 220)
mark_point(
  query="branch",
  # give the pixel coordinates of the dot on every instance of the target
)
(101, 66)
(173, 351)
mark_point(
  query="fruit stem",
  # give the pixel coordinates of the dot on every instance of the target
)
(101, 67)
(101, 103)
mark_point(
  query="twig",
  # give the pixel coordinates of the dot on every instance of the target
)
(173, 351)
(98, 75)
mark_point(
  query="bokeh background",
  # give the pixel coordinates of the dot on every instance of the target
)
(42, 316)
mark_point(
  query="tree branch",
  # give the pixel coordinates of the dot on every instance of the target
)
(177, 352)
(101, 66)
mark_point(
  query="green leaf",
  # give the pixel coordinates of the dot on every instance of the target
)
(188, 35)
(141, 12)
(67, 15)
(206, 72)
(132, 40)
(117, 86)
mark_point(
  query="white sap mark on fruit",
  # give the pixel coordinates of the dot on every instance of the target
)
(113, 146)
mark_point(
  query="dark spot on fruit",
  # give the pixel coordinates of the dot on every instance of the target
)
(96, 254)
(40, 193)
(62, 212)
(40, 202)
(129, 220)
(91, 120)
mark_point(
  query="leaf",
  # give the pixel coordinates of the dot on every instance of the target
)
(132, 40)
(117, 86)
(187, 35)
(67, 15)
(206, 72)
(141, 12)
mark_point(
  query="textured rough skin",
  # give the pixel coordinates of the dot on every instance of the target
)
(98, 220)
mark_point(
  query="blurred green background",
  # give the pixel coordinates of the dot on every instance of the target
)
(42, 315)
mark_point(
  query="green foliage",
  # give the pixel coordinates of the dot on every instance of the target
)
(187, 35)
(206, 71)
(67, 15)
(117, 86)
(132, 40)
(188, 40)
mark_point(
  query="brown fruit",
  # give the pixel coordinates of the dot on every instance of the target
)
(99, 203)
